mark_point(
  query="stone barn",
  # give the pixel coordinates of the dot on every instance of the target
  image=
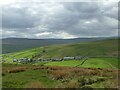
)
(68, 58)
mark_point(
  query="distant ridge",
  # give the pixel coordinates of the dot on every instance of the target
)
(17, 44)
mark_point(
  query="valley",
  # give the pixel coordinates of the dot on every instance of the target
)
(96, 67)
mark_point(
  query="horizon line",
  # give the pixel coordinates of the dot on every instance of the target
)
(62, 38)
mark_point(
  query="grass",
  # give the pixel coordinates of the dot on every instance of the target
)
(97, 48)
(71, 63)
(64, 74)
(40, 63)
(23, 54)
(105, 84)
(22, 79)
(57, 77)
(90, 63)
(101, 63)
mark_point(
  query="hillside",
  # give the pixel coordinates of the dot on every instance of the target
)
(89, 63)
(17, 44)
(96, 48)
(32, 76)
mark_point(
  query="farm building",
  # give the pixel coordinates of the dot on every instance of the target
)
(40, 60)
(15, 60)
(56, 59)
(45, 59)
(78, 57)
(24, 60)
(69, 58)
(36, 61)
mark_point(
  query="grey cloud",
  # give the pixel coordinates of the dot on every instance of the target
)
(17, 18)
(89, 7)
(77, 19)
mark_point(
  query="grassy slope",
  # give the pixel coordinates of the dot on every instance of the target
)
(72, 63)
(26, 53)
(60, 77)
(104, 47)
(22, 80)
(18, 44)
(92, 62)
(101, 63)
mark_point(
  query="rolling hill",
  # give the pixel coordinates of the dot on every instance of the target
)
(97, 48)
(17, 44)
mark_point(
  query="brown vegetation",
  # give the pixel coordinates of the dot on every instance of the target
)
(34, 85)
(70, 77)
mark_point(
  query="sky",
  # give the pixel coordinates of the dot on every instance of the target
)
(62, 20)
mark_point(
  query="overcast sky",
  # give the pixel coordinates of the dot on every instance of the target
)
(59, 19)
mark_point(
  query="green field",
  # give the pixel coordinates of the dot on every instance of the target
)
(90, 63)
(23, 54)
(93, 73)
(71, 63)
(97, 48)
(25, 79)
(101, 63)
